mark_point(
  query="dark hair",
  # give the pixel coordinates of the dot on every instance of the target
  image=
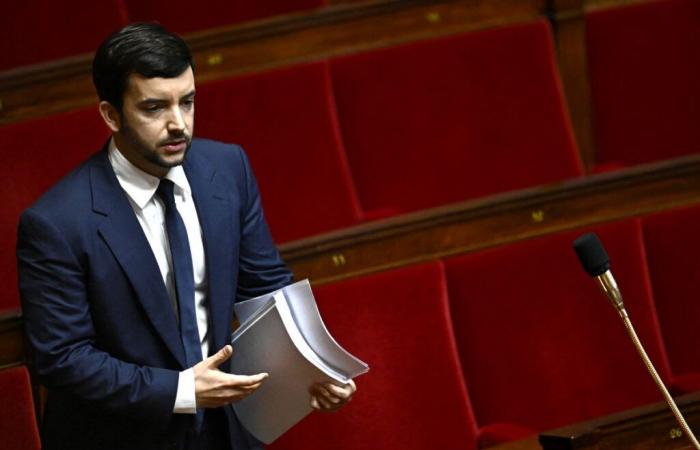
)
(144, 48)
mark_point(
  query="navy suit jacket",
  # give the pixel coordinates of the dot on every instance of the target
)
(97, 313)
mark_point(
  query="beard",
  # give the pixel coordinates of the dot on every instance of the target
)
(150, 152)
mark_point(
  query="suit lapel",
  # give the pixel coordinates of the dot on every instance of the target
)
(214, 213)
(122, 232)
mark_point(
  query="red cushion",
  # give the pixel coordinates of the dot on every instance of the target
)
(33, 31)
(413, 397)
(673, 243)
(540, 346)
(43, 150)
(286, 121)
(17, 419)
(183, 16)
(645, 79)
(455, 118)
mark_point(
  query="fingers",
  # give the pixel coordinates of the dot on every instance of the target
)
(219, 357)
(246, 381)
(330, 397)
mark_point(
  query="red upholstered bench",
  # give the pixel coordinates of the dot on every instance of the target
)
(17, 417)
(454, 118)
(672, 244)
(540, 346)
(182, 16)
(286, 122)
(42, 151)
(645, 79)
(33, 31)
(414, 395)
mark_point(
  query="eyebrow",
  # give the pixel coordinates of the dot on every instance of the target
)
(152, 101)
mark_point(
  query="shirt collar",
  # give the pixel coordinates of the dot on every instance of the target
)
(139, 185)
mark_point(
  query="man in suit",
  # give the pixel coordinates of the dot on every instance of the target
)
(130, 265)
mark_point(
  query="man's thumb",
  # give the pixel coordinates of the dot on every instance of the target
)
(219, 357)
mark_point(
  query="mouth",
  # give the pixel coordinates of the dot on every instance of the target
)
(175, 146)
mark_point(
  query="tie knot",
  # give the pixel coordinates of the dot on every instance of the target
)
(165, 192)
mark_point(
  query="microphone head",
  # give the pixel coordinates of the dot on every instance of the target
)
(592, 255)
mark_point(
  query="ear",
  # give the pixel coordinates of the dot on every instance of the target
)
(110, 115)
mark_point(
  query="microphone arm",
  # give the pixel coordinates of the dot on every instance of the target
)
(595, 261)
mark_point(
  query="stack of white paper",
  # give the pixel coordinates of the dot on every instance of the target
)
(282, 333)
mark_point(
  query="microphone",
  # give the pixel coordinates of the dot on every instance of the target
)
(596, 263)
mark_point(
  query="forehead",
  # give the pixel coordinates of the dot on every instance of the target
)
(140, 87)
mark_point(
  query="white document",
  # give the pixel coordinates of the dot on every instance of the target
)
(282, 333)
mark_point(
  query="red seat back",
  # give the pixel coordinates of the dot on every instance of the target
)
(414, 396)
(454, 118)
(17, 418)
(286, 122)
(540, 346)
(645, 79)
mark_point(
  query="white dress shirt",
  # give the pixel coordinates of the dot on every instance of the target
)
(140, 188)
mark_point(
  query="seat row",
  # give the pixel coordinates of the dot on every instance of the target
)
(496, 345)
(72, 27)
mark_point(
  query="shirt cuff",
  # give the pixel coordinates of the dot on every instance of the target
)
(186, 398)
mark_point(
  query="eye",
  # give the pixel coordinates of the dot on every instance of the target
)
(153, 108)
(189, 103)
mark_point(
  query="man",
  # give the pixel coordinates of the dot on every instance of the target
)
(130, 265)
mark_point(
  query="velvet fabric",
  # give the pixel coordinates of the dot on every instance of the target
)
(183, 17)
(285, 119)
(33, 31)
(645, 79)
(17, 418)
(40, 152)
(455, 118)
(540, 346)
(414, 396)
(673, 243)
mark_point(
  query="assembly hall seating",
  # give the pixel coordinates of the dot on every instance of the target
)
(414, 395)
(467, 116)
(645, 81)
(540, 346)
(672, 244)
(184, 17)
(286, 121)
(17, 419)
(43, 150)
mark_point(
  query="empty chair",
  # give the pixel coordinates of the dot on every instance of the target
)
(211, 13)
(39, 153)
(672, 245)
(540, 346)
(413, 397)
(33, 31)
(644, 64)
(454, 118)
(285, 120)
(17, 416)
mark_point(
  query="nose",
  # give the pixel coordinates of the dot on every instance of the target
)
(176, 121)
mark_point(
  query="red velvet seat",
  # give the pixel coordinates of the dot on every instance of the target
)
(183, 17)
(414, 396)
(454, 118)
(39, 152)
(33, 31)
(540, 346)
(673, 243)
(645, 79)
(17, 418)
(286, 122)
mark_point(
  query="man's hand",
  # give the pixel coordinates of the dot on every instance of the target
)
(214, 388)
(330, 397)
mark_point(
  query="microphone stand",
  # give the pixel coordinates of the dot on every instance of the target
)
(657, 379)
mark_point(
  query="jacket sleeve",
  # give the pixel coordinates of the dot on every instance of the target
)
(261, 268)
(58, 324)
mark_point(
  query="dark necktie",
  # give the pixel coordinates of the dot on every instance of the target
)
(184, 279)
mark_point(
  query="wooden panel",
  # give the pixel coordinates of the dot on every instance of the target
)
(497, 220)
(66, 84)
